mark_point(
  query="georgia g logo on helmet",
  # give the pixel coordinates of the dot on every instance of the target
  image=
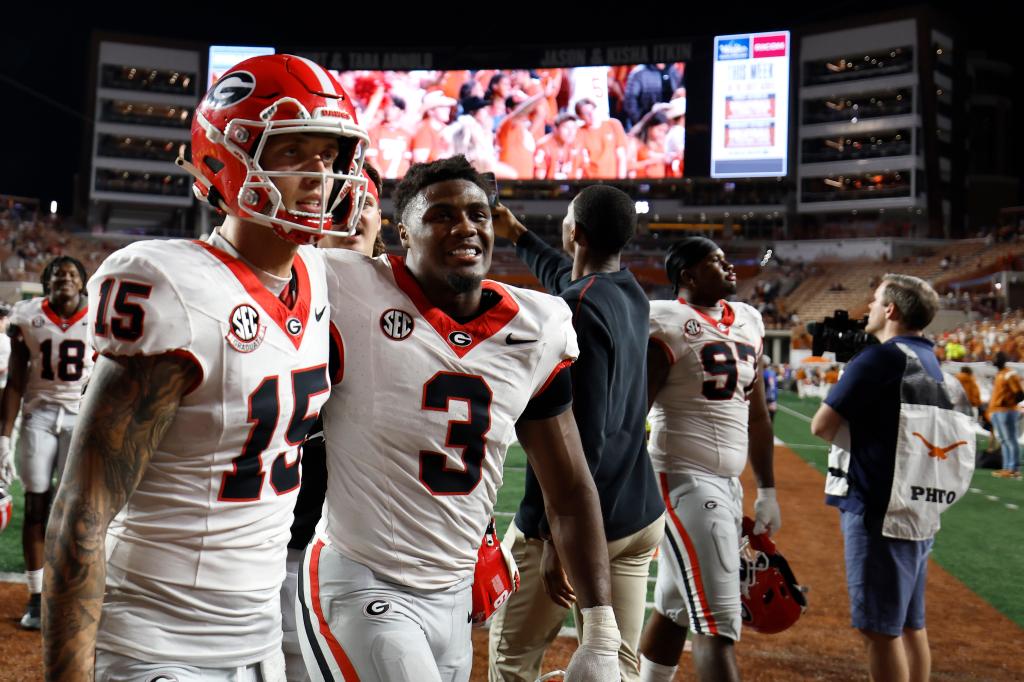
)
(232, 88)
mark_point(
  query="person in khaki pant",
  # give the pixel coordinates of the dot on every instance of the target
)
(611, 319)
(530, 620)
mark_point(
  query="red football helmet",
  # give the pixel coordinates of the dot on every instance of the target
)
(275, 95)
(6, 507)
(496, 577)
(772, 601)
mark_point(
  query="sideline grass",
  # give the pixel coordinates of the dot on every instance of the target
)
(11, 560)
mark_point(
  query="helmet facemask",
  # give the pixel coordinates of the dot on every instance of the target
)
(260, 201)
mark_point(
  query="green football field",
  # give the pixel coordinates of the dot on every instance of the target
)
(981, 542)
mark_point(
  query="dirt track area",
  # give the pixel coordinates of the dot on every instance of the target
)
(970, 640)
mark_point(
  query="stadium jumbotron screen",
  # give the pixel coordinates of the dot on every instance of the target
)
(607, 122)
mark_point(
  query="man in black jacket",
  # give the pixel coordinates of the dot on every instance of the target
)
(610, 315)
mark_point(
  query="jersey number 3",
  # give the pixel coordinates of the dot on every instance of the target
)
(469, 435)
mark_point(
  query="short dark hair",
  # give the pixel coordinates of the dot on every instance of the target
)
(684, 254)
(607, 217)
(913, 297)
(48, 271)
(374, 176)
(422, 175)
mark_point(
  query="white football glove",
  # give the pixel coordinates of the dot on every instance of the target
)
(6, 461)
(597, 658)
(766, 512)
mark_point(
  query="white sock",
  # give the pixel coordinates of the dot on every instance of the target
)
(35, 581)
(656, 672)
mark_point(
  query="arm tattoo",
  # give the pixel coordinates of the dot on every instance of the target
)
(130, 403)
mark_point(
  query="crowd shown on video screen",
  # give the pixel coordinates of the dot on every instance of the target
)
(521, 124)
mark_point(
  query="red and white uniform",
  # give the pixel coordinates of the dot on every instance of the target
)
(60, 362)
(197, 556)
(698, 448)
(59, 365)
(417, 432)
(699, 419)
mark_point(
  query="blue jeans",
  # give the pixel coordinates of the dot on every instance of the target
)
(1005, 425)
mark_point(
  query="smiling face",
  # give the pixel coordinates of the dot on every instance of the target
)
(448, 233)
(65, 283)
(301, 197)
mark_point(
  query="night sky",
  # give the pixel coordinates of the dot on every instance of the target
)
(44, 70)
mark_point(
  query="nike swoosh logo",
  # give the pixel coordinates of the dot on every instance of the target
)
(320, 313)
(515, 342)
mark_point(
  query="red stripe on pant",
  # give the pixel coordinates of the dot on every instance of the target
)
(691, 555)
(348, 672)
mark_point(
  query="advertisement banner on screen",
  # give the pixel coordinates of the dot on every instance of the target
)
(750, 105)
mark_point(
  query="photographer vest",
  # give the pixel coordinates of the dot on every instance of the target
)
(934, 457)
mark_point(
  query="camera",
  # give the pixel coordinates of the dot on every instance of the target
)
(841, 335)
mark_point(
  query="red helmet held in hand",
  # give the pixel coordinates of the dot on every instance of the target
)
(6, 507)
(772, 601)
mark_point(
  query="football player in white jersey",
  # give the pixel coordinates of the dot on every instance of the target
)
(709, 414)
(309, 503)
(213, 368)
(49, 366)
(441, 370)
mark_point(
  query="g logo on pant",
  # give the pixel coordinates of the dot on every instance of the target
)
(377, 607)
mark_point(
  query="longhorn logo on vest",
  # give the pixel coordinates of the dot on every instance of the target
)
(245, 333)
(460, 339)
(937, 451)
(396, 324)
(231, 89)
